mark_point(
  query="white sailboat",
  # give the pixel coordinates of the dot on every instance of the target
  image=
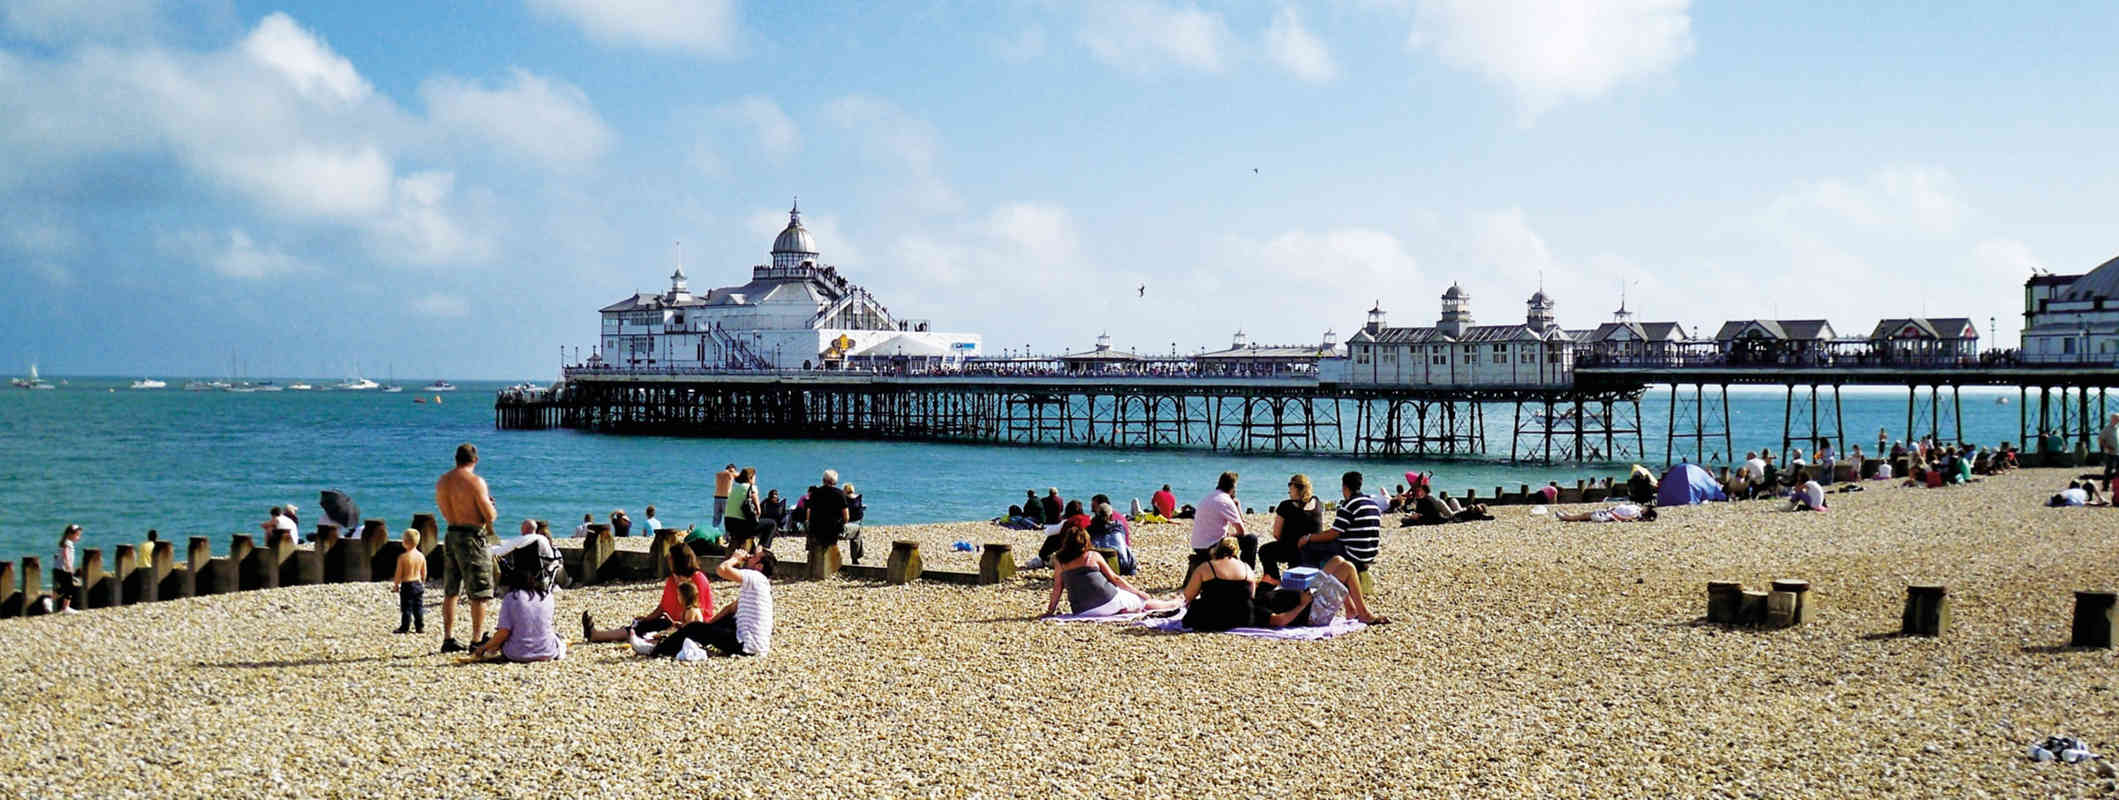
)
(33, 382)
(299, 386)
(357, 385)
(439, 386)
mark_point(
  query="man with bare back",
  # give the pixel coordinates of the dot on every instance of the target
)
(468, 506)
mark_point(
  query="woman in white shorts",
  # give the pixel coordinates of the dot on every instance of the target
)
(1092, 589)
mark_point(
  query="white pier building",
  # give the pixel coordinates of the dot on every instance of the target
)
(795, 313)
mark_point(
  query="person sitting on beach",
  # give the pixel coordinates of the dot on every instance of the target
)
(1356, 533)
(1623, 512)
(582, 531)
(668, 611)
(1898, 449)
(1431, 510)
(1640, 484)
(1933, 478)
(1052, 505)
(410, 584)
(1107, 531)
(1165, 502)
(653, 524)
(1883, 471)
(827, 514)
(1738, 486)
(1300, 515)
(773, 511)
(1809, 495)
(1754, 470)
(621, 525)
(1032, 509)
(523, 631)
(1219, 517)
(1221, 592)
(1823, 460)
(1333, 591)
(744, 627)
(1549, 493)
(277, 521)
(1092, 589)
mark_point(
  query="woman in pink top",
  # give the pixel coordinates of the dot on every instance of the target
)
(684, 568)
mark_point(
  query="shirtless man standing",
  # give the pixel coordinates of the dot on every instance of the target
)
(467, 504)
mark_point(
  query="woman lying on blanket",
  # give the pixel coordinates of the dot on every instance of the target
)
(1093, 590)
(1330, 593)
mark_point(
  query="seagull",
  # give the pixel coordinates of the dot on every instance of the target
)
(1143, 290)
(1254, 170)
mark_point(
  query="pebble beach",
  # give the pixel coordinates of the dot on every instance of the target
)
(1528, 657)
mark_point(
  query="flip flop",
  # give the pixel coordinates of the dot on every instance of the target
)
(1379, 621)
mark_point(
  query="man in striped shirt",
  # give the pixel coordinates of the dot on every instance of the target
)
(1357, 531)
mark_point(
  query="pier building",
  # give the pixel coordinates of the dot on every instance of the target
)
(2072, 319)
(796, 312)
(1457, 352)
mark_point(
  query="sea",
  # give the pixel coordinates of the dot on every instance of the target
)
(119, 461)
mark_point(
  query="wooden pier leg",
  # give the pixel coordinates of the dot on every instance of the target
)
(904, 565)
(1724, 600)
(1927, 610)
(1912, 399)
(1670, 432)
(2094, 620)
(996, 563)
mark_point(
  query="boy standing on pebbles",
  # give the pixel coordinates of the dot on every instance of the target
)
(467, 504)
(410, 582)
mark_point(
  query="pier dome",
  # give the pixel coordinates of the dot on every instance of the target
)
(794, 245)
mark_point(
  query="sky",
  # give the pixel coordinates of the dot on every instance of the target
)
(453, 189)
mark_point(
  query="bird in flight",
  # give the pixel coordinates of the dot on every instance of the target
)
(1143, 290)
(1254, 170)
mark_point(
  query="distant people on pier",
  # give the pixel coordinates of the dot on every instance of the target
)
(467, 504)
(1219, 517)
(65, 589)
(409, 582)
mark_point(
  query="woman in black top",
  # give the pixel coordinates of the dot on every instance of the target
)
(1300, 515)
(1221, 592)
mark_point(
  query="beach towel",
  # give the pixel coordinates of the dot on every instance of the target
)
(1131, 617)
(1306, 634)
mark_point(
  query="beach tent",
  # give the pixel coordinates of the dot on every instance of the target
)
(1687, 484)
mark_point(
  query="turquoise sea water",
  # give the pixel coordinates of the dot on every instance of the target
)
(186, 463)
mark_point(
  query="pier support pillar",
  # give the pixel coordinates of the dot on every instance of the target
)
(996, 563)
(1927, 610)
(2094, 619)
(904, 564)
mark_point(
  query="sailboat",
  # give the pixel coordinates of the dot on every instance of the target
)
(149, 383)
(32, 382)
(392, 387)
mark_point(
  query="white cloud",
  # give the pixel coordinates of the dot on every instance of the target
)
(1894, 197)
(441, 305)
(703, 27)
(1143, 36)
(2006, 256)
(893, 138)
(1550, 52)
(56, 21)
(232, 253)
(776, 133)
(545, 120)
(1293, 47)
(420, 227)
(304, 60)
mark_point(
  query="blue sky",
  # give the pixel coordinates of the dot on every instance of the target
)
(452, 189)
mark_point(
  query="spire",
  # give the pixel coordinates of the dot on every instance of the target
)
(794, 215)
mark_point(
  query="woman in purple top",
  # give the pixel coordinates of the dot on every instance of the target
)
(524, 630)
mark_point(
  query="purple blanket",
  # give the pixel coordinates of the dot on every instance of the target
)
(1338, 627)
(1132, 617)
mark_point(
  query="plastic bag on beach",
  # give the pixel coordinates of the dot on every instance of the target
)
(691, 651)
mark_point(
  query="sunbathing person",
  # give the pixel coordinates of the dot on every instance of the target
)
(1623, 512)
(1221, 592)
(1334, 589)
(1808, 494)
(1430, 510)
(1092, 589)
(669, 611)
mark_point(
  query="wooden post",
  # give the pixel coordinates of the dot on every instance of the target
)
(375, 539)
(1751, 608)
(252, 571)
(824, 560)
(1927, 610)
(279, 547)
(171, 581)
(996, 563)
(659, 551)
(10, 597)
(429, 536)
(312, 567)
(136, 581)
(904, 563)
(597, 563)
(95, 583)
(1805, 607)
(1780, 609)
(1724, 600)
(2094, 619)
(32, 587)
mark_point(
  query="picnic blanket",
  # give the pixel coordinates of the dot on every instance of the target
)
(1135, 616)
(1337, 628)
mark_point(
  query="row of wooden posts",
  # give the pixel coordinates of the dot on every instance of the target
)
(1927, 610)
(130, 576)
